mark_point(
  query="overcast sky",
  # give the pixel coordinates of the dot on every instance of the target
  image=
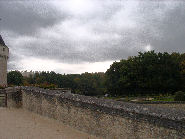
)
(74, 36)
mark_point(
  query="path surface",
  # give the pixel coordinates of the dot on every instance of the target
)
(21, 124)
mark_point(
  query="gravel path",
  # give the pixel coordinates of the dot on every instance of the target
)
(21, 124)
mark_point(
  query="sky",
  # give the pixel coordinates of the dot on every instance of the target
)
(76, 36)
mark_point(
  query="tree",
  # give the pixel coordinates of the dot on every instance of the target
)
(85, 84)
(147, 73)
(15, 78)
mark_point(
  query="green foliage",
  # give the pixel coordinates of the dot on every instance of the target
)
(179, 96)
(163, 98)
(86, 84)
(148, 73)
(47, 86)
(15, 78)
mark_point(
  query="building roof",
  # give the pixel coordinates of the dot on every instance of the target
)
(1, 41)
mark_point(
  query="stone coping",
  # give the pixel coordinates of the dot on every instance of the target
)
(159, 102)
(166, 117)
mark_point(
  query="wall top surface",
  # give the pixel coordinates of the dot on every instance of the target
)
(115, 107)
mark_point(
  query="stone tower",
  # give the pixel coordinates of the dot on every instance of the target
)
(4, 53)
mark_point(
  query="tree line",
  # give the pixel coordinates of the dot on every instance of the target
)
(86, 84)
(148, 73)
(145, 74)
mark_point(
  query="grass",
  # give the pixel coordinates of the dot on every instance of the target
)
(169, 98)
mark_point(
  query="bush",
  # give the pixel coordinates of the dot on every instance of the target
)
(179, 96)
(15, 78)
(47, 86)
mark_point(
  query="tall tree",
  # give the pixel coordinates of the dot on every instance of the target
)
(15, 78)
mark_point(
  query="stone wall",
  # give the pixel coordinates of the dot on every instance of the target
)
(3, 98)
(14, 97)
(105, 118)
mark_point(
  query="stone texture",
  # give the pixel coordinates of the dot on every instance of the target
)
(14, 97)
(105, 118)
(4, 51)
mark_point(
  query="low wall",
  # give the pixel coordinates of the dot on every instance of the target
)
(14, 97)
(3, 98)
(105, 118)
(159, 102)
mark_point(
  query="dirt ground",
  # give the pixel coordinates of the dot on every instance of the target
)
(21, 124)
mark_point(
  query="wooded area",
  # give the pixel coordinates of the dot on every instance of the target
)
(146, 74)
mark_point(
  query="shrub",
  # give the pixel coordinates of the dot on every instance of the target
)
(47, 86)
(179, 96)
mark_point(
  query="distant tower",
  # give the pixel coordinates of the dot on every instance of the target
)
(4, 53)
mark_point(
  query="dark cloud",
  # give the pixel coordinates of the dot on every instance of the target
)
(95, 32)
(164, 26)
(25, 17)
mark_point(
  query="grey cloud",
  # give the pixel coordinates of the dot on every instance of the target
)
(173, 28)
(164, 26)
(160, 24)
(25, 17)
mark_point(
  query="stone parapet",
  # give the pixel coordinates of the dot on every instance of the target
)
(105, 118)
